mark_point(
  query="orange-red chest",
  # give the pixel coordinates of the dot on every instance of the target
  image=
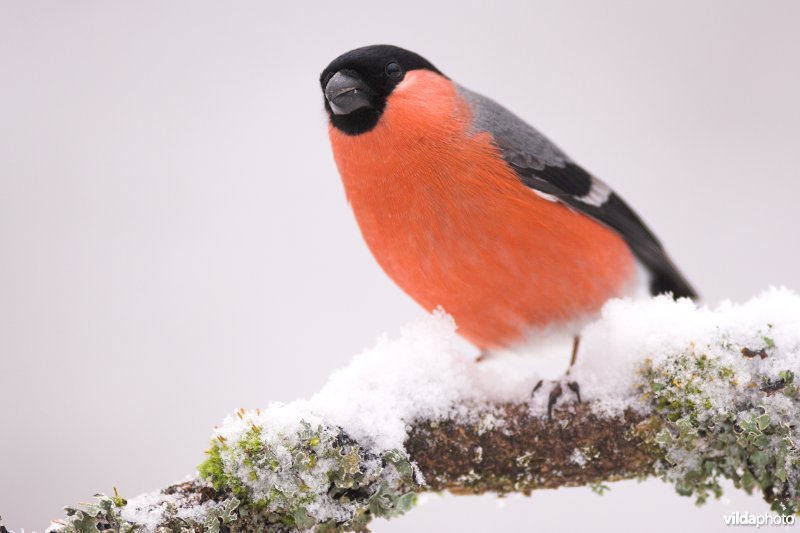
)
(452, 225)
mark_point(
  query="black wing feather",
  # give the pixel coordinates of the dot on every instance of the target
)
(542, 166)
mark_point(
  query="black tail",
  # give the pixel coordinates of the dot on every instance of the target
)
(667, 278)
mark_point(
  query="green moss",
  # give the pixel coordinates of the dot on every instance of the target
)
(118, 500)
(212, 468)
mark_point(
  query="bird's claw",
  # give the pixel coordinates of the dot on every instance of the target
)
(574, 387)
(556, 392)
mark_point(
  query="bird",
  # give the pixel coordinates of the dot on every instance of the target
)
(467, 207)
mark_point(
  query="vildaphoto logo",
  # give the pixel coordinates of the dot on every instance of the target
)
(758, 520)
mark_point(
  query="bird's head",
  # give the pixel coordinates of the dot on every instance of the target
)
(358, 84)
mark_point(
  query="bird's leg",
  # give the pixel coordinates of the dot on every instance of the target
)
(575, 344)
(555, 394)
(573, 385)
(557, 390)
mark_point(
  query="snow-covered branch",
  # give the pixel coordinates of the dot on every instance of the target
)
(687, 394)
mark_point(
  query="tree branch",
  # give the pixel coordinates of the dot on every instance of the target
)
(724, 406)
(499, 448)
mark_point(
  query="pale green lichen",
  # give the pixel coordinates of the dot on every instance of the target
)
(312, 477)
(525, 459)
(107, 515)
(104, 515)
(727, 418)
(599, 488)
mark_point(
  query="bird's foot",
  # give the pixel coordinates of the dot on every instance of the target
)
(556, 392)
(574, 387)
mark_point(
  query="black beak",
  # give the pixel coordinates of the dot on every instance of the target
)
(346, 93)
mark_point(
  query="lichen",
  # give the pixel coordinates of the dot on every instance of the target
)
(103, 515)
(264, 480)
(727, 416)
(312, 477)
(599, 488)
(107, 514)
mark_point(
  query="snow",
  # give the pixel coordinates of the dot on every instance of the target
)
(628, 332)
(149, 510)
(426, 373)
(578, 457)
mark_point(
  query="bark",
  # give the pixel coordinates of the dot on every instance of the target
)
(525, 452)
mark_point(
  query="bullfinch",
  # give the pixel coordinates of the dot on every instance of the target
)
(466, 206)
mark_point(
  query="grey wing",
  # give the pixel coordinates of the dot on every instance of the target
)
(543, 167)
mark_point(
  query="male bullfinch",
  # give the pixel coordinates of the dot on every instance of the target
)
(466, 206)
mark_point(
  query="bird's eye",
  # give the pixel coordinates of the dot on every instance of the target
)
(394, 71)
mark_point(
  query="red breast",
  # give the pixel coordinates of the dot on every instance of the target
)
(453, 226)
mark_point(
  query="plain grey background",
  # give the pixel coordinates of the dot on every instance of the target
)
(175, 242)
